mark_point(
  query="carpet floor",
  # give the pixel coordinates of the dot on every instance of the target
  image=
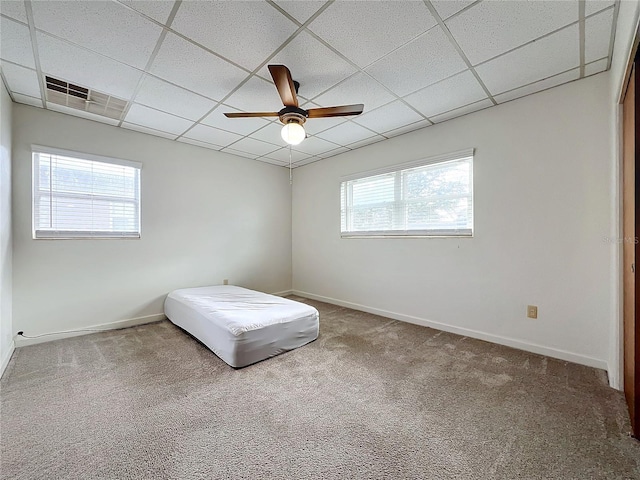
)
(371, 398)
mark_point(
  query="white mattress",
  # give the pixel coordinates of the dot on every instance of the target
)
(242, 326)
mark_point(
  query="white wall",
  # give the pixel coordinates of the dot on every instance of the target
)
(542, 209)
(206, 216)
(6, 341)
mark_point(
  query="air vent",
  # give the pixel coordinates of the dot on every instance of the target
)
(83, 98)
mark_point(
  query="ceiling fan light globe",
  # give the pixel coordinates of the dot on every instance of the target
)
(293, 133)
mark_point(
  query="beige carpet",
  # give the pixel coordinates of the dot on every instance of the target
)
(371, 398)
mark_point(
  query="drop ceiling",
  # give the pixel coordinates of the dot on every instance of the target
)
(180, 65)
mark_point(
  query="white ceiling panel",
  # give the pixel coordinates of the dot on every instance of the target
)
(446, 8)
(270, 133)
(593, 6)
(306, 161)
(198, 143)
(333, 153)
(366, 141)
(492, 28)
(458, 112)
(300, 10)
(244, 32)
(454, 92)
(282, 155)
(255, 147)
(238, 153)
(171, 99)
(242, 126)
(212, 135)
(15, 43)
(597, 30)
(148, 117)
(14, 9)
(256, 95)
(273, 162)
(546, 57)
(538, 86)
(408, 128)
(595, 67)
(313, 145)
(366, 31)
(27, 100)
(104, 27)
(21, 79)
(358, 89)
(426, 60)
(81, 67)
(315, 66)
(346, 133)
(150, 131)
(193, 68)
(159, 10)
(388, 117)
(80, 113)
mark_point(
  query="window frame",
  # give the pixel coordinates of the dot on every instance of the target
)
(83, 234)
(400, 178)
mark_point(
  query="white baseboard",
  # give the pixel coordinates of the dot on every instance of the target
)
(509, 342)
(7, 357)
(130, 322)
(283, 294)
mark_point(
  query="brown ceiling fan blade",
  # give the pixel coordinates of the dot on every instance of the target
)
(341, 111)
(287, 90)
(251, 114)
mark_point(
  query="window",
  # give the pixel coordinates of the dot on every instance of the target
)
(84, 196)
(432, 197)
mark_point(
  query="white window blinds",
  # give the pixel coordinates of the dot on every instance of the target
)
(433, 197)
(84, 196)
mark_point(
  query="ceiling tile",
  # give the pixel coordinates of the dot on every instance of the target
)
(212, 135)
(82, 114)
(316, 67)
(366, 141)
(15, 43)
(271, 134)
(454, 92)
(317, 125)
(388, 25)
(193, 68)
(243, 32)
(243, 126)
(333, 153)
(148, 117)
(169, 98)
(21, 79)
(150, 131)
(358, 89)
(198, 143)
(546, 57)
(593, 6)
(104, 27)
(306, 161)
(14, 9)
(34, 102)
(255, 147)
(426, 60)
(596, 67)
(389, 117)
(314, 145)
(159, 10)
(491, 28)
(273, 162)
(538, 86)
(597, 36)
(81, 67)
(408, 128)
(446, 8)
(256, 95)
(458, 112)
(301, 11)
(282, 155)
(239, 153)
(346, 133)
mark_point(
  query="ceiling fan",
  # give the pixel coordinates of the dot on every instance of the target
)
(292, 116)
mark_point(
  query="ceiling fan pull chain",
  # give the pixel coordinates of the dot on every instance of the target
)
(290, 174)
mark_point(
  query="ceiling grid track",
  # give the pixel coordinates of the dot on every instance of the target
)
(152, 58)
(614, 22)
(36, 55)
(581, 22)
(6, 86)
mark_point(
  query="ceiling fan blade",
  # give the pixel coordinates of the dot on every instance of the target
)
(287, 90)
(251, 114)
(341, 111)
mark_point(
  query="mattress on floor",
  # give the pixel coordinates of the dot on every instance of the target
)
(242, 326)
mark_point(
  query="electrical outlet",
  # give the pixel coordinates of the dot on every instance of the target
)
(225, 281)
(532, 311)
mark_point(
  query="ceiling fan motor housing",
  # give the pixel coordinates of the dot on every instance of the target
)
(293, 114)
